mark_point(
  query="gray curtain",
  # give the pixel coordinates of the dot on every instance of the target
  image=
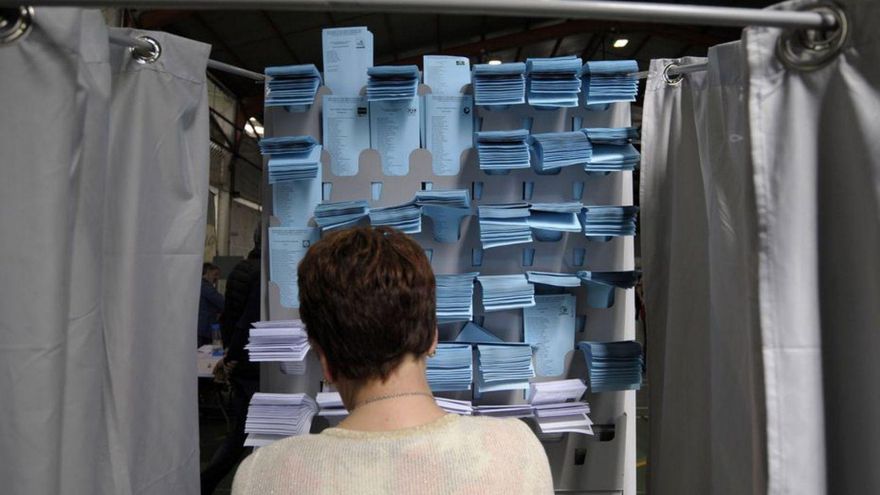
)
(761, 224)
(102, 217)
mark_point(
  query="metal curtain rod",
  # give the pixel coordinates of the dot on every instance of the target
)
(570, 9)
(144, 48)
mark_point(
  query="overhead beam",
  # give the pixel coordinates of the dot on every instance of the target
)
(280, 35)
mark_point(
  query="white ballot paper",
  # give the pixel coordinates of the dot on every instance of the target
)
(449, 130)
(549, 327)
(446, 75)
(346, 127)
(293, 201)
(348, 53)
(287, 246)
(394, 132)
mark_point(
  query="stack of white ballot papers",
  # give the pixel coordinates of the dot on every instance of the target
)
(505, 410)
(455, 297)
(272, 417)
(558, 406)
(554, 279)
(612, 149)
(291, 157)
(284, 340)
(607, 81)
(330, 404)
(451, 368)
(406, 218)
(292, 85)
(392, 82)
(501, 84)
(341, 214)
(609, 221)
(505, 366)
(549, 220)
(560, 149)
(502, 292)
(554, 82)
(454, 406)
(504, 224)
(503, 150)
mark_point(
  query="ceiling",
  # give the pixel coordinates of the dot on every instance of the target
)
(255, 39)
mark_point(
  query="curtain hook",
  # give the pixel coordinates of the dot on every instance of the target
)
(143, 55)
(672, 79)
(15, 23)
(811, 49)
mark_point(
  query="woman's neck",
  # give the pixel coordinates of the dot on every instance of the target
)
(404, 400)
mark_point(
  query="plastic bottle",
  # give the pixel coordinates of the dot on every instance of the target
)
(216, 339)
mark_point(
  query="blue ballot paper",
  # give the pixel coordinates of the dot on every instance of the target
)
(504, 367)
(608, 81)
(449, 129)
(613, 365)
(287, 246)
(503, 150)
(450, 369)
(392, 82)
(611, 135)
(560, 149)
(549, 220)
(554, 279)
(499, 85)
(291, 157)
(554, 82)
(455, 297)
(292, 85)
(446, 209)
(340, 214)
(504, 224)
(613, 158)
(609, 221)
(394, 133)
(455, 198)
(346, 129)
(549, 328)
(446, 75)
(601, 285)
(348, 53)
(475, 334)
(292, 200)
(502, 292)
(406, 218)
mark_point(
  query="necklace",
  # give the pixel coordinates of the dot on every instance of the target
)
(390, 396)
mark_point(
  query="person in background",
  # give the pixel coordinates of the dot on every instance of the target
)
(367, 298)
(242, 310)
(210, 302)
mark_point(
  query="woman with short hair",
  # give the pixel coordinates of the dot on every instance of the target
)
(367, 298)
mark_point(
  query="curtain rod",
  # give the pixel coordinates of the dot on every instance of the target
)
(598, 10)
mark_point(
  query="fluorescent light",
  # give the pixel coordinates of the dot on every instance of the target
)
(620, 42)
(249, 204)
(253, 128)
(495, 62)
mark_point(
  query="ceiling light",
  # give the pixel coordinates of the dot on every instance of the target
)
(620, 42)
(253, 128)
(495, 62)
(247, 203)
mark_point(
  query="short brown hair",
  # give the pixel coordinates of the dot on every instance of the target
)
(367, 300)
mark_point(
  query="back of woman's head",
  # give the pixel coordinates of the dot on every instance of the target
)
(367, 300)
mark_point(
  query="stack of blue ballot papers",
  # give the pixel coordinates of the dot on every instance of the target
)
(504, 224)
(455, 297)
(452, 198)
(504, 367)
(406, 218)
(601, 285)
(292, 85)
(502, 84)
(612, 149)
(609, 221)
(502, 292)
(271, 417)
(291, 157)
(392, 82)
(450, 369)
(445, 208)
(554, 279)
(608, 81)
(560, 149)
(613, 365)
(503, 150)
(554, 82)
(549, 220)
(340, 214)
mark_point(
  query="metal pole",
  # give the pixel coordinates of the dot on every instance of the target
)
(599, 10)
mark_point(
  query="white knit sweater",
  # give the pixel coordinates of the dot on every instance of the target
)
(451, 455)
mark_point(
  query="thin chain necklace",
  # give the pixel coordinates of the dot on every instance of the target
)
(390, 396)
